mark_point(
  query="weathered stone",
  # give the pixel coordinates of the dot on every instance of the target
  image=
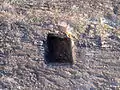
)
(24, 26)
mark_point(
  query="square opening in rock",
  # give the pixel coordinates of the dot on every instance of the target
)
(59, 49)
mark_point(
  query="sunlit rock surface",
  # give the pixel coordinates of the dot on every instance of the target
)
(94, 29)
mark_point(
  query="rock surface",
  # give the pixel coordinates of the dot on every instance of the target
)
(93, 26)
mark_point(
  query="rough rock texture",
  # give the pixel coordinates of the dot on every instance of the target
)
(93, 26)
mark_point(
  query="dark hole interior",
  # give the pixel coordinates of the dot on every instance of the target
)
(59, 49)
